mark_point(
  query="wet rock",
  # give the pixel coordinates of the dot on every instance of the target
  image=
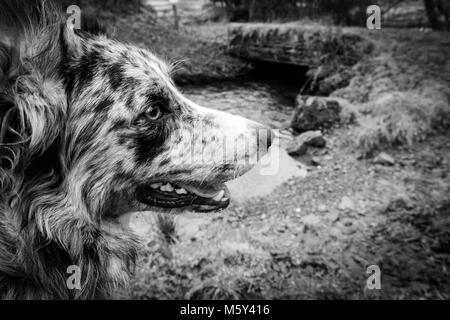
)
(299, 145)
(286, 138)
(333, 216)
(346, 204)
(314, 139)
(315, 161)
(314, 113)
(384, 159)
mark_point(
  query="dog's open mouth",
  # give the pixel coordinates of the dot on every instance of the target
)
(198, 197)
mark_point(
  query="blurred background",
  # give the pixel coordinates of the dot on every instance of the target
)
(365, 154)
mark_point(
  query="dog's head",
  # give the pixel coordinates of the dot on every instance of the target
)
(94, 120)
(129, 128)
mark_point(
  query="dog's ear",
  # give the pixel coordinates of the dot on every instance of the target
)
(10, 128)
(41, 105)
(32, 80)
(32, 70)
(39, 102)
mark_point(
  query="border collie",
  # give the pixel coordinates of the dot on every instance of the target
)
(91, 128)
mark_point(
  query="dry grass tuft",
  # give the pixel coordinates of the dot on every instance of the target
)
(167, 227)
(401, 118)
(212, 291)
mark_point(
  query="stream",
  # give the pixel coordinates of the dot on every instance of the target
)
(270, 103)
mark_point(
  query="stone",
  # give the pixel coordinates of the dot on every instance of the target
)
(297, 149)
(311, 221)
(346, 204)
(322, 208)
(315, 161)
(285, 138)
(299, 145)
(333, 216)
(313, 113)
(384, 159)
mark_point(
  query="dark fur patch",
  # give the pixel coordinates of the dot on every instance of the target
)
(104, 106)
(118, 124)
(180, 172)
(116, 76)
(130, 102)
(149, 138)
(158, 97)
(130, 83)
(149, 144)
(81, 74)
(86, 69)
(164, 162)
(91, 25)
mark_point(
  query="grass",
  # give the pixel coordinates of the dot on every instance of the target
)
(400, 119)
(402, 91)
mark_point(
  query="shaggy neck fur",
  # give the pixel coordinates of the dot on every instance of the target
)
(51, 215)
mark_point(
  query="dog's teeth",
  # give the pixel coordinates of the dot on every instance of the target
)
(219, 195)
(181, 191)
(155, 185)
(167, 188)
(224, 199)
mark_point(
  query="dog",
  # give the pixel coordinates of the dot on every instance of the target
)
(89, 124)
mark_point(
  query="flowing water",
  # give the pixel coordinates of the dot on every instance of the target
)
(270, 103)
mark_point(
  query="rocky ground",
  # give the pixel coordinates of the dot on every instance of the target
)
(315, 236)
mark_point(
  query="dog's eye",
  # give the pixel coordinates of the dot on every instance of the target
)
(155, 113)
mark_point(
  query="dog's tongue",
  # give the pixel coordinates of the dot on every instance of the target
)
(206, 192)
